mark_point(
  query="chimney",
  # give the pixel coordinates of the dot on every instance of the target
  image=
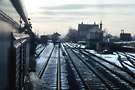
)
(82, 23)
(122, 31)
(100, 27)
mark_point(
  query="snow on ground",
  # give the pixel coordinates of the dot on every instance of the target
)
(43, 57)
(39, 48)
(37, 84)
(113, 58)
(109, 57)
(132, 54)
(83, 46)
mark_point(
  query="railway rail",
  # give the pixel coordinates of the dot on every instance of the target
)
(40, 74)
(122, 73)
(77, 71)
(115, 76)
(71, 77)
(98, 83)
(58, 70)
(71, 68)
(127, 63)
(50, 72)
(41, 49)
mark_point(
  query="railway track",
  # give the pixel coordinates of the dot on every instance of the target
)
(100, 82)
(77, 69)
(128, 57)
(82, 84)
(51, 72)
(71, 75)
(39, 52)
(40, 73)
(112, 64)
(110, 75)
(118, 80)
(58, 70)
(42, 58)
(127, 62)
(122, 74)
(131, 55)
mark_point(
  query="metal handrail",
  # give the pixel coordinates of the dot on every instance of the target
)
(21, 10)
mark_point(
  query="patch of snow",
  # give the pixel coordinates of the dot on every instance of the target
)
(37, 84)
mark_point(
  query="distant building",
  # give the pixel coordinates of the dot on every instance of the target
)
(91, 33)
(55, 37)
(125, 36)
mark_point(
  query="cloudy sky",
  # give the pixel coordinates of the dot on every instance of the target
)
(50, 16)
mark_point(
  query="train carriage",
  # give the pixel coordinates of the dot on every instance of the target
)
(14, 46)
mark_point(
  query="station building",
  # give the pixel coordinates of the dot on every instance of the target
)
(91, 33)
(125, 36)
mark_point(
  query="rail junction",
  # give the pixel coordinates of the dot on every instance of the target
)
(67, 67)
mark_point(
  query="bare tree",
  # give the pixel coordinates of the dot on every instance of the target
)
(72, 35)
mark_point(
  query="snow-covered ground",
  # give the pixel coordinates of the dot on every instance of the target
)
(43, 57)
(75, 45)
(114, 59)
(109, 57)
(39, 48)
(132, 54)
(36, 83)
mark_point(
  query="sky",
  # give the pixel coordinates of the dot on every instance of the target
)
(48, 16)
